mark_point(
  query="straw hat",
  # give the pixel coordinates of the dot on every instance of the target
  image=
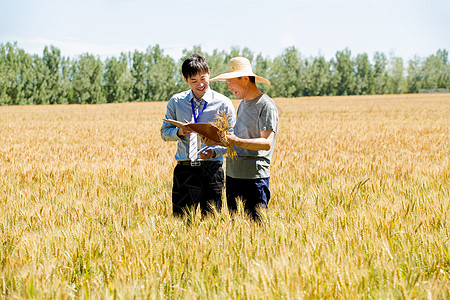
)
(238, 67)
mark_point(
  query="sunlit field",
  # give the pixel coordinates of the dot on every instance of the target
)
(359, 208)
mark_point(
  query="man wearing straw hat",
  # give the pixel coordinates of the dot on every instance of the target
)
(196, 181)
(253, 139)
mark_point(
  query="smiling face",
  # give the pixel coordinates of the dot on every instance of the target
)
(238, 86)
(199, 84)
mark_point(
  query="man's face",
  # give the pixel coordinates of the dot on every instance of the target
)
(237, 87)
(199, 84)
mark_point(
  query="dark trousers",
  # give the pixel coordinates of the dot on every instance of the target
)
(197, 185)
(254, 193)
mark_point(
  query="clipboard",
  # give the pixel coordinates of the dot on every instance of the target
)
(205, 129)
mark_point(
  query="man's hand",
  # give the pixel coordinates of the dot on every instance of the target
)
(182, 131)
(232, 139)
(207, 154)
(207, 142)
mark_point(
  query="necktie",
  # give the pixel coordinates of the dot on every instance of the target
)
(193, 137)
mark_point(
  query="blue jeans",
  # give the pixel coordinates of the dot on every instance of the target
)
(255, 194)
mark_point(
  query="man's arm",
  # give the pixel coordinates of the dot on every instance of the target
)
(262, 143)
(170, 132)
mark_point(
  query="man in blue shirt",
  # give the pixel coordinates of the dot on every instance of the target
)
(196, 181)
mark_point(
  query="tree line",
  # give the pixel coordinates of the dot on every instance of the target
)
(154, 76)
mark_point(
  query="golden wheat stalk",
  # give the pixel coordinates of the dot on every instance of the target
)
(222, 122)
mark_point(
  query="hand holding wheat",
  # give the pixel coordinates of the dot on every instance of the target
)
(222, 123)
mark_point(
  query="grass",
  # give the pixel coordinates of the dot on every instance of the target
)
(359, 208)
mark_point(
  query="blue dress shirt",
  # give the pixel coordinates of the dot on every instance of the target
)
(179, 108)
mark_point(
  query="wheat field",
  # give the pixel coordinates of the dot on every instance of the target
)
(359, 208)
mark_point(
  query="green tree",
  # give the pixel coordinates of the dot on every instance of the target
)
(263, 66)
(364, 84)
(116, 80)
(27, 93)
(51, 68)
(4, 97)
(343, 78)
(444, 77)
(196, 49)
(42, 76)
(397, 82)
(3, 76)
(66, 91)
(318, 83)
(245, 52)
(217, 62)
(138, 71)
(11, 83)
(286, 73)
(435, 70)
(236, 51)
(414, 79)
(160, 75)
(86, 76)
(381, 76)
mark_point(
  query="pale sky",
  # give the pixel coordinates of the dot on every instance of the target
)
(404, 28)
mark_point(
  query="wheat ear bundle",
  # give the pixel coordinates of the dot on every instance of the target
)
(223, 124)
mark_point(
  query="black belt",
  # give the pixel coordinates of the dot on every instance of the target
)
(197, 163)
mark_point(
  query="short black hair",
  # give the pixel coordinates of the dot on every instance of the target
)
(194, 65)
(252, 79)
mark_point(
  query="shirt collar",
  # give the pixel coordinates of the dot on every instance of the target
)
(207, 97)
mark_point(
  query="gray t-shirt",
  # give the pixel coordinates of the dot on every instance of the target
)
(253, 116)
